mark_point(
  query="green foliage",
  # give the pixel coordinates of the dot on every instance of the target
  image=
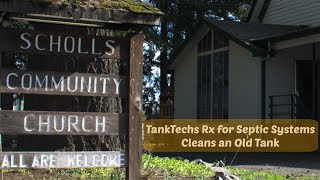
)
(249, 174)
(171, 167)
(262, 175)
(94, 173)
(154, 168)
(131, 5)
(183, 17)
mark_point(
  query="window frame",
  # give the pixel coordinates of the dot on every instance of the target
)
(213, 102)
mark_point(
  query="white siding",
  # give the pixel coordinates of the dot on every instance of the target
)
(255, 15)
(280, 74)
(279, 81)
(185, 92)
(293, 12)
(244, 83)
(296, 42)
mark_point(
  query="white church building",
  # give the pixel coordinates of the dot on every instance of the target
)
(267, 67)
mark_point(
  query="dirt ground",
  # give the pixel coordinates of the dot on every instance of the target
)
(286, 164)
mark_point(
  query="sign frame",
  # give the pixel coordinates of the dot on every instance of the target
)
(134, 93)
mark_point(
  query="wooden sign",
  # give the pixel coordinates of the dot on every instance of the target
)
(62, 159)
(57, 83)
(67, 44)
(74, 84)
(62, 123)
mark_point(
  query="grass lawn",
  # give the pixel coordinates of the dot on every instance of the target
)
(153, 168)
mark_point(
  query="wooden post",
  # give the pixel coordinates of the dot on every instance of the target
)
(271, 107)
(135, 107)
(293, 116)
(314, 82)
(1, 56)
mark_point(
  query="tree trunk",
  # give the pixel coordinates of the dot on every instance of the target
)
(164, 61)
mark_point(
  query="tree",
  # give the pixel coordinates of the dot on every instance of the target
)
(181, 19)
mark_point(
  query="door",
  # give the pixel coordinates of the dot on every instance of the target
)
(304, 89)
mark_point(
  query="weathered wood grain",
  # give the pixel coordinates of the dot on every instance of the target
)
(44, 42)
(89, 159)
(62, 123)
(135, 107)
(58, 83)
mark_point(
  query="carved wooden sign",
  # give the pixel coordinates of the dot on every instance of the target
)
(62, 123)
(56, 83)
(62, 159)
(74, 84)
(67, 44)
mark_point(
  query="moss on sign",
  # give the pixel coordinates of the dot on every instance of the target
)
(131, 5)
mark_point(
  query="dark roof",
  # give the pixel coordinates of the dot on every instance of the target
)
(245, 33)
(254, 36)
(291, 35)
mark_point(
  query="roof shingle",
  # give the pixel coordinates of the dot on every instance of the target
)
(247, 32)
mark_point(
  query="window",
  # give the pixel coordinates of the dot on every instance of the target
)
(206, 43)
(220, 40)
(204, 86)
(212, 87)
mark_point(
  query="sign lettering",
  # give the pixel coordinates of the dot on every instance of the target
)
(62, 159)
(67, 44)
(77, 84)
(62, 123)
(74, 84)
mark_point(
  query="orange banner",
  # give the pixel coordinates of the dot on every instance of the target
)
(231, 135)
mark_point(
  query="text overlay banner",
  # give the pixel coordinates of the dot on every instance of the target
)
(231, 135)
